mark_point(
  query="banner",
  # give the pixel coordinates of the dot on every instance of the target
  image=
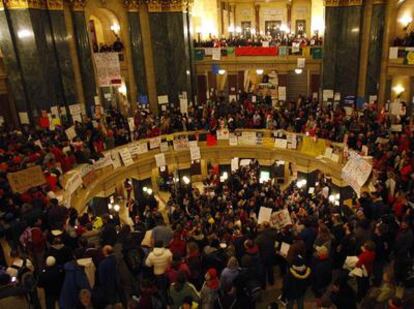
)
(28, 178)
(256, 51)
(108, 70)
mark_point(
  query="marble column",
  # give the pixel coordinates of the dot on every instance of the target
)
(137, 50)
(60, 40)
(388, 21)
(363, 58)
(12, 63)
(342, 48)
(84, 53)
(172, 48)
(375, 49)
(257, 17)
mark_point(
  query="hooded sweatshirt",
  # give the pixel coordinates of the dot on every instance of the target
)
(160, 259)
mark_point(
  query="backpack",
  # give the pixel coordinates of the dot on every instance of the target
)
(253, 289)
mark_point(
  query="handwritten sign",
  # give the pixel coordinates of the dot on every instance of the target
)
(195, 153)
(264, 215)
(280, 143)
(70, 133)
(160, 160)
(155, 142)
(28, 178)
(126, 156)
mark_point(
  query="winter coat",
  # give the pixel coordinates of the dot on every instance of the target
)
(295, 283)
(227, 277)
(109, 279)
(160, 259)
(75, 280)
(322, 274)
(177, 297)
(51, 279)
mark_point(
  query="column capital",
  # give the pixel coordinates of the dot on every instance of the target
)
(342, 2)
(24, 4)
(168, 5)
(132, 5)
(78, 5)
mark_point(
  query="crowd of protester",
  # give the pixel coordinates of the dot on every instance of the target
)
(208, 249)
(281, 39)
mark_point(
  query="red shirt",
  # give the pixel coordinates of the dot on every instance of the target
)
(366, 259)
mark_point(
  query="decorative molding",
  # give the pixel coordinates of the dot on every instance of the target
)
(343, 2)
(168, 5)
(24, 4)
(132, 5)
(78, 5)
(54, 5)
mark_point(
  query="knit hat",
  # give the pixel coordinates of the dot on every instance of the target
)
(299, 263)
(212, 281)
(50, 261)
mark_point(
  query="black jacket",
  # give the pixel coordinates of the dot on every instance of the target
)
(295, 283)
(51, 279)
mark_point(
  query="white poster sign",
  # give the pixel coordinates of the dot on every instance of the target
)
(70, 133)
(195, 153)
(281, 218)
(233, 139)
(160, 160)
(126, 156)
(155, 142)
(234, 164)
(183, 105)
(108, 70)
(301, 63)
(327, 94)
(265, 215)
(280, 143)
(164, 147)
(222, 134)
(282, 93)
(216, 55)
(162, 99)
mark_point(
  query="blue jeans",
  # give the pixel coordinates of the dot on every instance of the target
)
(299, 301)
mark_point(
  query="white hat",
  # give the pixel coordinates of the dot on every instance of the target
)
(50, 261)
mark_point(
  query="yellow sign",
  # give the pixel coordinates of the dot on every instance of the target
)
(312, 147)
(410, 57)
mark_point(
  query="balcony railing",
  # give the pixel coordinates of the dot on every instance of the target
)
(314, 52)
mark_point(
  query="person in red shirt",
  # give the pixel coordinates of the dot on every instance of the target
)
(365, 261)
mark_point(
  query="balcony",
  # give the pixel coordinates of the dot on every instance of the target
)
(401, 61)
(281, 58)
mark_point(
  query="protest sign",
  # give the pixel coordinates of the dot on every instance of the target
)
(155, 142)
(280, 143)
(160, 160)
(126, 156)
(108, 69)
(22, 181)
(222, 134)
(233, 139)
(70, 133)
(264, 215)
(195, 153)
(164, 147)
(281, 218)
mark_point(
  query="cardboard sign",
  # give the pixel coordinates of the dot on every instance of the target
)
(28, 178)
(126, 156)
(70, 133)
(264, 215)
(160, 160)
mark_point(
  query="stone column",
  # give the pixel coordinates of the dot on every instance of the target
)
(83, 48)
(137, 50)
(257, 17)
(389, 10)
(172, 49)
(363, 54)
